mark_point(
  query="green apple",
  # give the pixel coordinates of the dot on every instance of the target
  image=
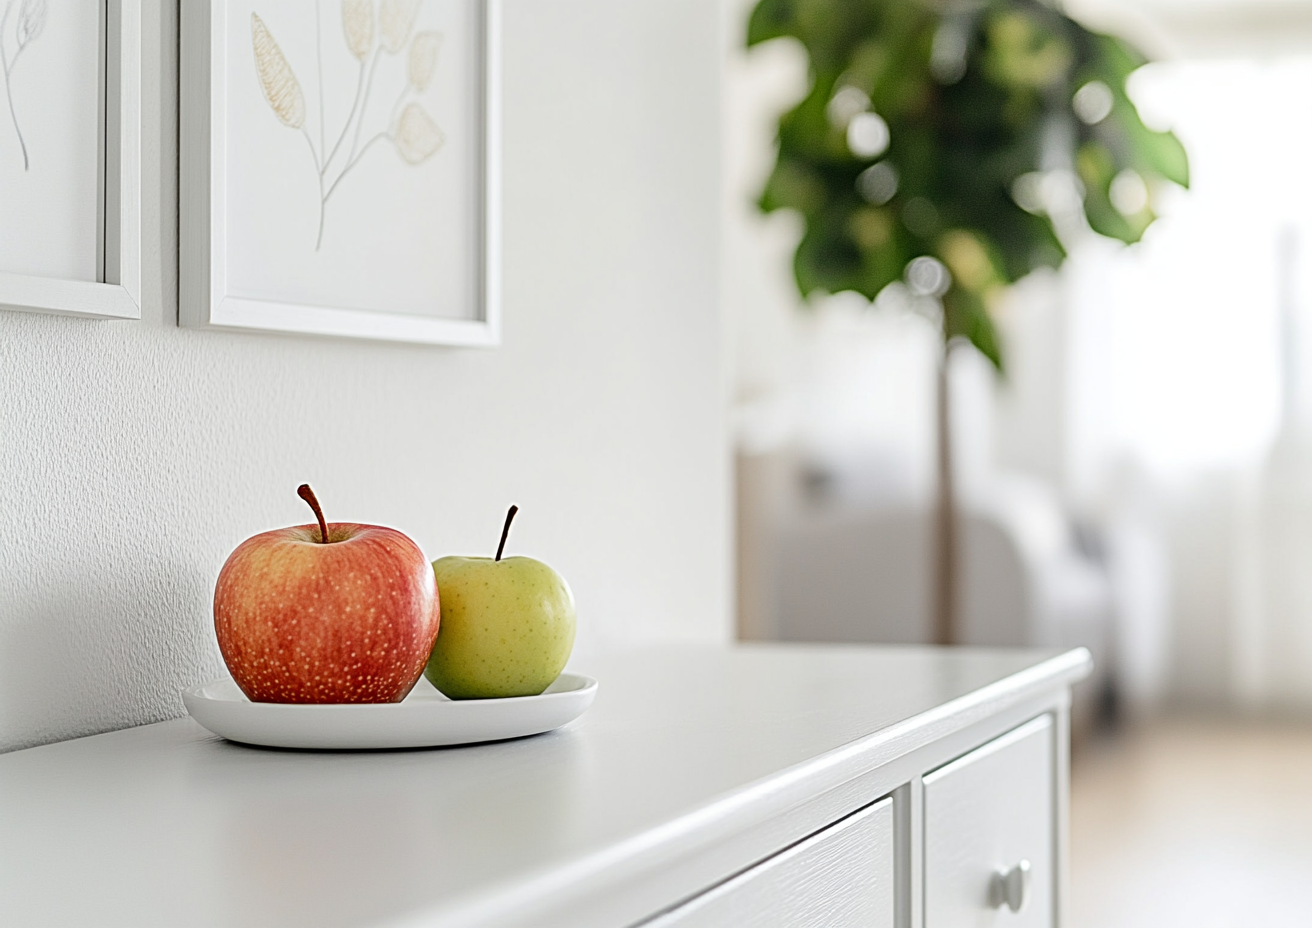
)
(507, 626)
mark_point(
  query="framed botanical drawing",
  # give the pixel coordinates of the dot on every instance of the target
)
(70, 157)
(340, 168)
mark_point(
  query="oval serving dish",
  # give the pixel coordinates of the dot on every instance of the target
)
(425, 718)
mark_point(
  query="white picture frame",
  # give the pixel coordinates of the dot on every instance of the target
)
(117, 295)
(206, 299)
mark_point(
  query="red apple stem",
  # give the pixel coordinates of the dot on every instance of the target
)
(505, 532)
(305, 493)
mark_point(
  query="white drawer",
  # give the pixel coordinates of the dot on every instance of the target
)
(841, 877)
(985, 814)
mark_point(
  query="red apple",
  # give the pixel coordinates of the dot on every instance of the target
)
(328, 613)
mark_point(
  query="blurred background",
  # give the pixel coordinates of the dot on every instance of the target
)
(1137, 479)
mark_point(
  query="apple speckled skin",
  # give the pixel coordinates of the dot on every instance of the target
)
(305, 622)
(507, 627)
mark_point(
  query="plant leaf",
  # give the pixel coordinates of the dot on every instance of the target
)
(31, 21)
(397, 18)
(771, 19)
(965, 314)
(279, 83)
(416, 136)
(358, 24)
(423, 59)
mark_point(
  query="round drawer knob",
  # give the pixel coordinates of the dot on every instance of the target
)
(1011, 888)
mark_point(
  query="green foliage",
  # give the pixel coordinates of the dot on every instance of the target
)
(979, 102)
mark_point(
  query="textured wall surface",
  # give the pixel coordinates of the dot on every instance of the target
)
(135, 455)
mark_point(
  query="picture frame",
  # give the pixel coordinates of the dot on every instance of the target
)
(222, 73)
(117, 292)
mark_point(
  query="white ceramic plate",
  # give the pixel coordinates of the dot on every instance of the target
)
(425, 718)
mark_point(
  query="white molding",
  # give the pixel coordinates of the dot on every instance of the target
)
(119, 296)
(203, 298)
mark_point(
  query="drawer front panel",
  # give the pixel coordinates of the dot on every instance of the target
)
(987, 815)
(841, 877)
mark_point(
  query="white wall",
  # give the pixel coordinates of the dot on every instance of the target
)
(759, 296)
(135, 456)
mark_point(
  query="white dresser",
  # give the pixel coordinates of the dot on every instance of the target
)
(748, 786)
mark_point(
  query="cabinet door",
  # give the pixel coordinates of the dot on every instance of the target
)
(841, 877)
(990, 817)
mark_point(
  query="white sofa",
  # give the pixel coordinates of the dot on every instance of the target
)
(864, 576)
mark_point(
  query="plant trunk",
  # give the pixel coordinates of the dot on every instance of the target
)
(945, 575)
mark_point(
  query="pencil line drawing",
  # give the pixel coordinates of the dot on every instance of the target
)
(370, 30)
(28, 25)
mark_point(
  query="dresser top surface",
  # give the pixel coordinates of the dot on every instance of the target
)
(168, 824)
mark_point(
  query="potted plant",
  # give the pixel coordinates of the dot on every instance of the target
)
(953, 148)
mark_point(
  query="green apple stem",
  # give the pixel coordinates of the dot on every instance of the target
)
(505, 532)
(305, 493)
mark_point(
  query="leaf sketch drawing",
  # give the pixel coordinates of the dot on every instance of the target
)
(27, 28)
(370, 29)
